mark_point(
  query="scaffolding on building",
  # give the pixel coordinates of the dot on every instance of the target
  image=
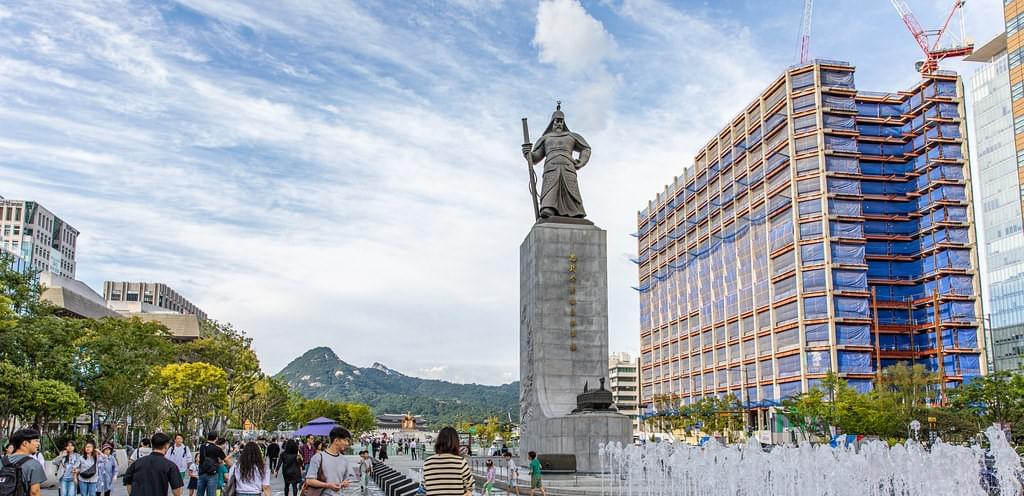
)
(825, 229)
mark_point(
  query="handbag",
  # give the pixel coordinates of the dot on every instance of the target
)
(230, 488)
(89, 472)
(308, 490)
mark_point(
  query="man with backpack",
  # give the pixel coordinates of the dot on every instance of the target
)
(180, 455)
(20, 473)
(210, 458)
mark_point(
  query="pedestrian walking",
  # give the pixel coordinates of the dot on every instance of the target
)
(374, 447)
(535, 482)
(222, 469)
(180, 455)
(491, 474)
(273, 453)
(513, 473)
(153, 474)
(88, 472)
(290, 466)
(383, 453)
(108, 470)
(365, 469)
(412, 449)
(211, 457)
(307, 451)
(329, 469)
(145, 448)
(67, 463)
(29, 472)
(250, 473)
(446, 472)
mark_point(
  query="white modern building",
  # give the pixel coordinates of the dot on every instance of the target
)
(624, 384)
(999, 204)
(42, 240)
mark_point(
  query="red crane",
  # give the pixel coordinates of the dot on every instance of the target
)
(930, 40)
(805, 33)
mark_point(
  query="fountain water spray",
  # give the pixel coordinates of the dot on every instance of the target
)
(872, 468)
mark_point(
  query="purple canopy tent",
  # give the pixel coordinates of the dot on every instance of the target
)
(318, 427)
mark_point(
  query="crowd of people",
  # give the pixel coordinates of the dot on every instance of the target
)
(217, 468)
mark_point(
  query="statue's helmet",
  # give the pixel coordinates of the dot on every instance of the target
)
(557, 115)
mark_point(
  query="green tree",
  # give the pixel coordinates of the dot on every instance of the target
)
(52, 399)
(16, 391)
(265, 405)
(20, 290)
(311, 409)
(193, 391)
(231, 350)
(359, 418)
(118, 359)
(997, 397)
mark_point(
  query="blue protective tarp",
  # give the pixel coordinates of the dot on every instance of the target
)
(781, 235)
(816, 333)
(841, 164)
(812, 254)
(852, 230)
(849, 280)
(848, 208)
(815, 307)
(840, 143)
(967, 338)
(786, 313)
(858, 362)
(847, 254)
(840, 79)
(803, 80)
(818, 362)
(809, 208)
(883, 207)
(810, 230)
(814, 280)
(853, 334)
(839, 122)
(838, 102)
(788, 366)
(862, 386)
(851, 307)
(970, 365)
(887, 187)
(789, 389)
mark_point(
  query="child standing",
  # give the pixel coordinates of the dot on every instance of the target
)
(489, 483)
(535, 474)
(365, 468)
(513, 473)
(193, 478)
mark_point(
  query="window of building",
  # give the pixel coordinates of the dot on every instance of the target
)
(1017, 91)
(1018, 125)
(1014, 58)
(115, 295)
(132, 296)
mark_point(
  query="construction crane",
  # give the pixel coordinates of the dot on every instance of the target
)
(930, 40)
(804, 41)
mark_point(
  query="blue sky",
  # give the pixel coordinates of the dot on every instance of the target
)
(347, 173)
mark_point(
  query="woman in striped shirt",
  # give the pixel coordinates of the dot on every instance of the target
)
(446, 473)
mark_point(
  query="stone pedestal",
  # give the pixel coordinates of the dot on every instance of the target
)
(563, 342)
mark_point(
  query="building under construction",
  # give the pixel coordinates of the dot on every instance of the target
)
(823, 229)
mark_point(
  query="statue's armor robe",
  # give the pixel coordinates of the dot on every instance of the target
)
(560, 190)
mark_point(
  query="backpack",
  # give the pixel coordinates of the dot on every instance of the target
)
(207, 465)
(10, 477)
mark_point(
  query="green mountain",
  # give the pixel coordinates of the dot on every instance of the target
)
(319, 373)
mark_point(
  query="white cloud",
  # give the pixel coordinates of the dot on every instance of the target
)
(568, 37)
